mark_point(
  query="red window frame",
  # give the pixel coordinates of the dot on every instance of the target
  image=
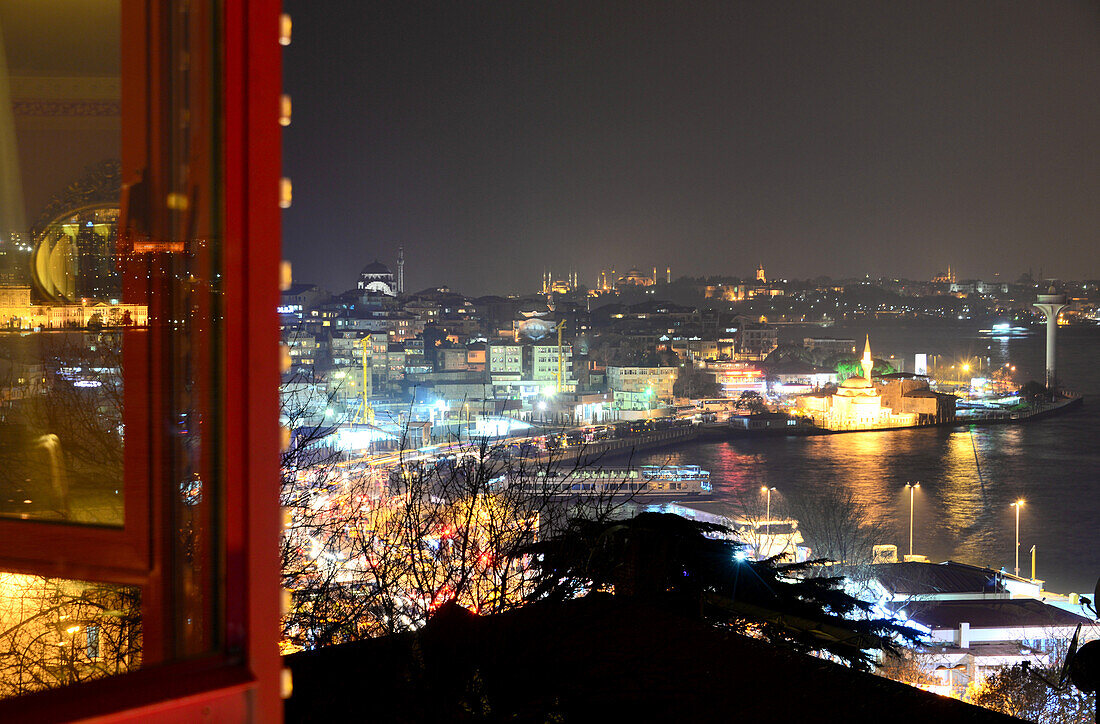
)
(242, 678)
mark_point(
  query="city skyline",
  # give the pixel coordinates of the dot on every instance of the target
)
(817, 140)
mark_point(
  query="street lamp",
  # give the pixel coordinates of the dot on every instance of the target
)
(1017, 505)
(768, 514)
(912, 490)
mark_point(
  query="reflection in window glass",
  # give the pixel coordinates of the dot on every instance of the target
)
(62, 316)
(56, 632)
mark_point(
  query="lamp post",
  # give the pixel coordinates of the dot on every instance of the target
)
(912, 490)
(767, 519)
(1017, 505)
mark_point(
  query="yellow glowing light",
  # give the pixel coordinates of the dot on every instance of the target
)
(72, 629)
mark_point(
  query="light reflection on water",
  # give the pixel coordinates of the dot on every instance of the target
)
(960, 515)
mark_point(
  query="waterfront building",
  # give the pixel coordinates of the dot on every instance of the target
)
(856, 405)
(978, 619)
(640, 388)
(547, 360)
(736, 378)
(907, 393)
(795, 377)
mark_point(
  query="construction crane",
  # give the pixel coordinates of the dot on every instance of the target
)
(365, 413)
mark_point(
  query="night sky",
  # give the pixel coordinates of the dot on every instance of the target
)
(496, 139)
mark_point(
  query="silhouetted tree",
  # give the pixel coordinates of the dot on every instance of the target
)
(837, 526)
(695, 383)
(751, 401)
(697, 569)
(1033, 391)
(1019, 692)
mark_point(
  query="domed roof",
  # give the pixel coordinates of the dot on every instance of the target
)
(375, 267)
(857, 382)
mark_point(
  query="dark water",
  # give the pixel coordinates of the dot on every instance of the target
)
(1053, 464)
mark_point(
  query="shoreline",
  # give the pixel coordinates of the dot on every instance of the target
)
(596, 452)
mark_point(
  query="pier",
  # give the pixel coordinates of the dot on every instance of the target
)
(600, 450)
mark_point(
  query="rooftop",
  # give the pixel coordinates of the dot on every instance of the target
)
(930, 578)
(995, 613)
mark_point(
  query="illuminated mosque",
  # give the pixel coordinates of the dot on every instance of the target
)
(856, 405)
(609, 281)
(376, 277)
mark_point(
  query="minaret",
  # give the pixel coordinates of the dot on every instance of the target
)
(654, 275)
(867, 363)
(1050, 304)
(400, 270)
(668, 275)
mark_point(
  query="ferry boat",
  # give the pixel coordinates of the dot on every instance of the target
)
(1004, 330)
(643, 481)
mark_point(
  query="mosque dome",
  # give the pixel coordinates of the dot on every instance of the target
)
(634, 277)
(377, 278)
(376, 268)
(857, 383)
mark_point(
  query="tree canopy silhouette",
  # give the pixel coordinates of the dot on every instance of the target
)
(698, 569)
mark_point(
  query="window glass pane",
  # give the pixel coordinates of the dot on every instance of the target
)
(55, 632)
(62, 316)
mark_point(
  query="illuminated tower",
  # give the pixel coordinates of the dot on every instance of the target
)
(760, 277)
(1050, 304)
(401, 270)
(668, 275)
(867, 363)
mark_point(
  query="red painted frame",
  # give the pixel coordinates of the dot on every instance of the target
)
(242, 682)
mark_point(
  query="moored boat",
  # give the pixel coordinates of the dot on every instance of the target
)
(643, 481)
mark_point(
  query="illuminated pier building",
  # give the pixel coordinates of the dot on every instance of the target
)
(856, 405)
